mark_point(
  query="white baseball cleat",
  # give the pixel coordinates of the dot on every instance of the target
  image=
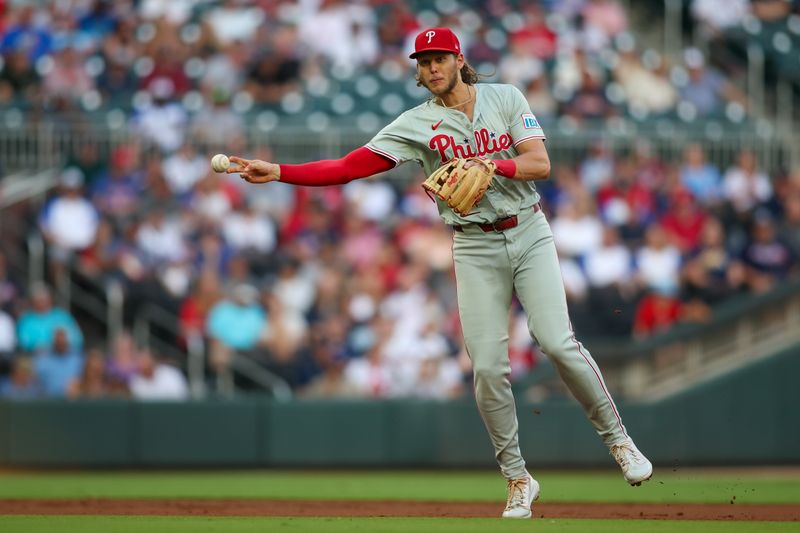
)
(635, 466)
(522, 493)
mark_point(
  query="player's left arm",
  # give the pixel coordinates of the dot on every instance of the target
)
(532, 163)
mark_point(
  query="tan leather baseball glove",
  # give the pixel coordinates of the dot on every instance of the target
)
(461, 188)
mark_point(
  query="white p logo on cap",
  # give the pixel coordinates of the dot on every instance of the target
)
(430, 35)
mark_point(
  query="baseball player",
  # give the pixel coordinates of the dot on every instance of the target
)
(503, 245)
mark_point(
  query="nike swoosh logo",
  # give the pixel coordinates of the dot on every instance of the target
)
(434, 126)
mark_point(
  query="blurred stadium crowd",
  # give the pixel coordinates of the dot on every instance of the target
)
(348, 291)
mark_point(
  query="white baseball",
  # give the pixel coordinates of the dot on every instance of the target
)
(220, 163)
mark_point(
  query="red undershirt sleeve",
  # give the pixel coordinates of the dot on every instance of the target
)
(506, 167)
(360, 163)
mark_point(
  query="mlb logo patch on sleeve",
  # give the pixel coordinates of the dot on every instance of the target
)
(529, 121)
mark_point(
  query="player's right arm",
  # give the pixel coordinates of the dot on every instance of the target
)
(360, 163)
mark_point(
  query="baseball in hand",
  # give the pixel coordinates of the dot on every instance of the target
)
(220, 163)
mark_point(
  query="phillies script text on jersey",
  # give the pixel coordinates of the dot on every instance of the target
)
(485, 143)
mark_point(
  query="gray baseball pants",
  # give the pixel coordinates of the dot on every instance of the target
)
(489, 267)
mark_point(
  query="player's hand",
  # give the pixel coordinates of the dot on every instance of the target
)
(472, 162)
(254, 170)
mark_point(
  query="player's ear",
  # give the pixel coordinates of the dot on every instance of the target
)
(460, 60)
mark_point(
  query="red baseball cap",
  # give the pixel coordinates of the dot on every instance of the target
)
(436, 39)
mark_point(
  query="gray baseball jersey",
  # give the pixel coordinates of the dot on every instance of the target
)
(432, 134)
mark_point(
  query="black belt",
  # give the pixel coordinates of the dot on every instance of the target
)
(500, 224)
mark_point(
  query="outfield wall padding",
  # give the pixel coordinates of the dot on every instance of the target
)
(749, 416)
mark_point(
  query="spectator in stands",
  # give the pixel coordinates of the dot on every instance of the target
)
(57, 367)
(93, 381)
(8, 341)
(370, 374)
(649, 169)
(157, 381)
(117, 84)
(241, 269)
(160, 238)
(521, 65)
(745, 186)
(68, 78)
(281, 340)
(194, 310)
(184, 169)
(438, 378)
(237, 321)
(69, 221)
(88, 159)
(21, 384)
(362, 241)
(25, 34)
(535, 34)
(248, 232)
(656, 312)
(540, 98)
(683, 221)
(706, 89)
(372, 200)
(342, 32)
(37, 326)
(479, 50)
(328, 354)
(225, 69)
(789, 230)
(213, 199)
(708, 275)
(648, 89)
(577, 230)
(428, 244)
(293, 288)
(9, 289)
(771, 10)
(716, 16)
(612, 288)
(163, 120)
(120, 47)
(658, 262)
(597, 168)
(700, 177)
(627, 202)
(217, 124)
(611, 263)
(607, 16)
(211, 252)
(275, 72)
(98, 20)
(409, 308)
(590, 101)
(20, 83)
(101, 259)
(117, 191)
(121, 363)
(767, 260)
(232, 20)
(330, 383)
(167, 79)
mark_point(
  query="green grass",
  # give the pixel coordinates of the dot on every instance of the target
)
(674, 487)
(666, 487)
(124, 524)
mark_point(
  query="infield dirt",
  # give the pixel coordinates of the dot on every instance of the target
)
(319, 508)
